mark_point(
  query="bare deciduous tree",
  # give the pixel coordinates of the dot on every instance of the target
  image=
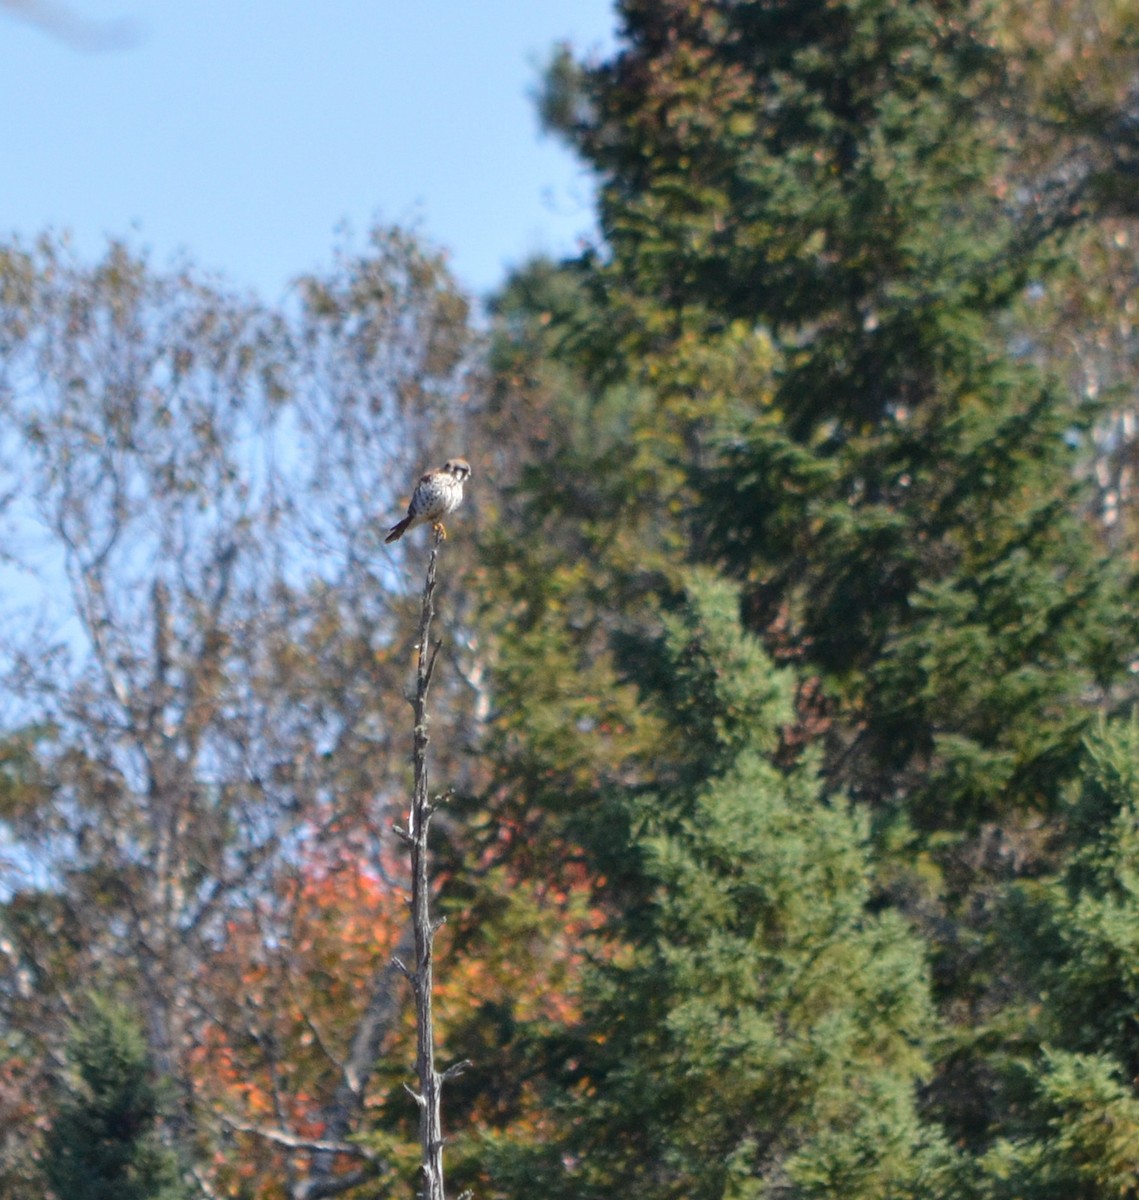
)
(206, 658)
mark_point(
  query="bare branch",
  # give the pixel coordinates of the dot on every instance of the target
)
(456, 1069)
(203, 1184)
(291, 1141)
(430, 1080)
(326, 1183)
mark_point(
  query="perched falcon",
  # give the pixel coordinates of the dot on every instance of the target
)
(437, 493)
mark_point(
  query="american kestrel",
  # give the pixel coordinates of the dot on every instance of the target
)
(437, 493)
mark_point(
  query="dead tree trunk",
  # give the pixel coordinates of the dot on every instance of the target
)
(420, 976)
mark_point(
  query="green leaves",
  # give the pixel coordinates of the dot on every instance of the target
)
(104, 1142)
(816, 322)
(763, 1024)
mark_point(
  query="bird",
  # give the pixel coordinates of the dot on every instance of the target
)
(437, 493)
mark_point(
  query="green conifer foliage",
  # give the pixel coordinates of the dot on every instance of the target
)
(901, 503)
(754, 1029)
(104, 1143)
(807, 320)
(1069, 1126)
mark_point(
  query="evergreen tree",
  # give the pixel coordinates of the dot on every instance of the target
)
(1066, 1119)
(104, 1143)
(750, 1024)
(902, 505)
(802, 353)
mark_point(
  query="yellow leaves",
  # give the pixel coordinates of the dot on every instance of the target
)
(742, 124)
(815, 243)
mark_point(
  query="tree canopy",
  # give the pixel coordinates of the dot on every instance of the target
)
(785, 700)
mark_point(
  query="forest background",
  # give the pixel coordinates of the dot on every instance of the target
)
(786, 700)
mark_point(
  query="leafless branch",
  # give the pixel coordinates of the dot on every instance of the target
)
(317, 1186)
(292, 1141)
(419, 820)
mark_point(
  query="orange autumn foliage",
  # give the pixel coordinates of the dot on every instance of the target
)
(299, 968)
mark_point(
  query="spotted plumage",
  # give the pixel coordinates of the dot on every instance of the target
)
(437, 493)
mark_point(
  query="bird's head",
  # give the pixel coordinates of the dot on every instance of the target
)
(458, 467)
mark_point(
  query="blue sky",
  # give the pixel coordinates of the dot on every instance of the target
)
(245, 132)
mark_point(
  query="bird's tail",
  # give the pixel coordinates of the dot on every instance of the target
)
(398, 530)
